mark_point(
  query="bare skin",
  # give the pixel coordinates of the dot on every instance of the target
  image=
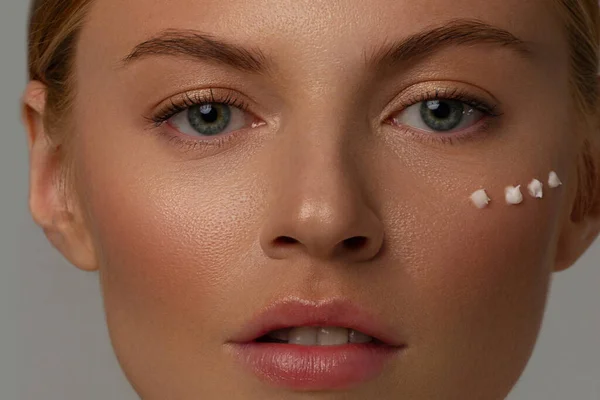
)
(185, 239)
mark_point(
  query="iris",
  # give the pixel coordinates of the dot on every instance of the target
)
(209, 119)
(442, 115)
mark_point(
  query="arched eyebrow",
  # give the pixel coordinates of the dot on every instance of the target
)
(205, 47)
(200, 46)
(459, 32)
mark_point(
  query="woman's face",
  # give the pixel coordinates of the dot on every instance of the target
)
(203, 220)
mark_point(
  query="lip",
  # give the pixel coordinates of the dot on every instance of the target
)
(294, 312)
(314, 367)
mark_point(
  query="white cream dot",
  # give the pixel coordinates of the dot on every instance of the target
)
(553, 180)
(535, 189)
(480, 198)
(513, 195)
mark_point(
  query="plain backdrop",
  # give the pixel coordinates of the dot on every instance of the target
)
(53, 340)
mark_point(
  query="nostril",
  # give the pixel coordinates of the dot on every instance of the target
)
(355, 242)
(285, 240)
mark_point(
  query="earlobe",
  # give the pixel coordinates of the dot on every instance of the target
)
(70, 238)
(48, 207)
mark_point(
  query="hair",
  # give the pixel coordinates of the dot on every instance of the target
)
(54, 29)
(55, 26)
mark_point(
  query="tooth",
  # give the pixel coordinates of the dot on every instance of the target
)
(332, 336)
(553, 180)
(303, 335)
(358, 337)
(280, 334)
(535, 189)
(513, 195)
(480, 199)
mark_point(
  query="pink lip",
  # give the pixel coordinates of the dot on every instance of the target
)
(314, 367)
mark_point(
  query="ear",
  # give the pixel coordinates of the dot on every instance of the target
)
(64, 228)
(577, 236)
(583, 224)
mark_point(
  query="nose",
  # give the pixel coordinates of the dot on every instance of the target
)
(319, 204)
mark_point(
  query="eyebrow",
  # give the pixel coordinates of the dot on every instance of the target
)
(200, 46)
(454, 33)
(205, 47)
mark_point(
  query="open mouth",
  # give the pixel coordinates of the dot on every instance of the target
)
(318, 336)
(301, 344)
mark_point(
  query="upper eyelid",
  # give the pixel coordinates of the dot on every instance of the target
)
(443, 93)
(461, 97)
(417, 93)
(207, 95)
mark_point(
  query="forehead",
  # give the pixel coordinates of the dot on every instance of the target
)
(308, 33)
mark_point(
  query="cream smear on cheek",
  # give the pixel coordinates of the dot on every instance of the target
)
(480, 198)
(535, 189)
(553, 180)
(513, 194)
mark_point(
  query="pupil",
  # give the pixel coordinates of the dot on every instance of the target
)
(440, 110)
(209, 113)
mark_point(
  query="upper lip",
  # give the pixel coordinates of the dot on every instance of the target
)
(295, 312)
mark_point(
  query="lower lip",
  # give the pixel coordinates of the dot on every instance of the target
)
(314, 367)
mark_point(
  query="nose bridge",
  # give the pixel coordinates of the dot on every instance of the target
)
(320, 178)
(318, 202)
(316, 142)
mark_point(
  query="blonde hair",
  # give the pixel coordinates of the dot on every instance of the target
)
(55, 26)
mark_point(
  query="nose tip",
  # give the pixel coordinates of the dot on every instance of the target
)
(352, 239)
(321, 201)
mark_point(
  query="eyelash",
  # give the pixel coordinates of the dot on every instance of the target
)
(450, 94)
(190, 100)
(193, 99)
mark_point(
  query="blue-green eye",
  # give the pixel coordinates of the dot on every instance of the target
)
(210, 119)
(440, 116)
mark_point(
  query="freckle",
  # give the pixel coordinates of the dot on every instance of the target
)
(480, 198)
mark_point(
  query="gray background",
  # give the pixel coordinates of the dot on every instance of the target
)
(53, 341)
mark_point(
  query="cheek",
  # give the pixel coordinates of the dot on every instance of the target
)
(171, 243)
(483, 292)
(478, 271)
(476, 281)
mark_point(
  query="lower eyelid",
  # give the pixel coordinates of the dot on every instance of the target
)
(477, 132)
